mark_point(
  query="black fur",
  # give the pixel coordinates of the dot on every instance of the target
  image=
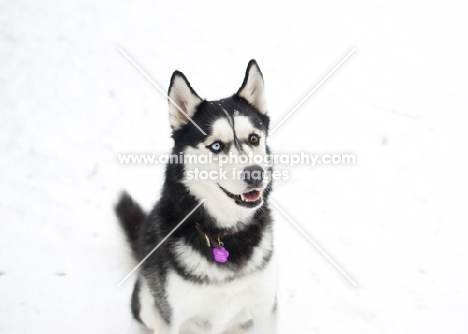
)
(136, 306)
(175, 204)
(131, 217)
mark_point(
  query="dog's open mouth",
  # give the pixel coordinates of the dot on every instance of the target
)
(249, 199)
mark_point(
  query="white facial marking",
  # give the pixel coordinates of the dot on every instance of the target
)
(221, 130)
(223, 208)
(226, 212)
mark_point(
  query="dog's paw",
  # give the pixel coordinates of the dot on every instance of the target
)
(245, 328)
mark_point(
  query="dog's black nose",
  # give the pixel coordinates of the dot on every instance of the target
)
(253, 176)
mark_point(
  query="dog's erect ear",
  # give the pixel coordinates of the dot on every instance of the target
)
(183, 95)
(252, 88)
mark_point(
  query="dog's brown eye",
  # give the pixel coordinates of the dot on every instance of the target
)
(254, 139)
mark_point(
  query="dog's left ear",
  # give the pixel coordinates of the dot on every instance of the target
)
(252, 88)
(186, 100)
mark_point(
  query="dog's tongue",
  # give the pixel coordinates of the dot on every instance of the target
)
(252, 196)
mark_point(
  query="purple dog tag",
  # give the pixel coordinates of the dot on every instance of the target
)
(220, 254)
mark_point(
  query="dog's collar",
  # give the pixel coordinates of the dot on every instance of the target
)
(209, 240)
(220, 254)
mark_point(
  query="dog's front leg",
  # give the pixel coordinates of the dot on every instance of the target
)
(171, 329)
(265, 321)
(174, 328)
(160, 326)
(167, 330)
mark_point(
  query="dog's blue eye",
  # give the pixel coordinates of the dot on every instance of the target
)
(216, 147)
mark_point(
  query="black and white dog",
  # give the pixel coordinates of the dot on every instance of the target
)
(216, 273)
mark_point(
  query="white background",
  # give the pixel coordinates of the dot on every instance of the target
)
(395, 221)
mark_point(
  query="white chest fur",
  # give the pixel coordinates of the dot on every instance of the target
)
(221, 306)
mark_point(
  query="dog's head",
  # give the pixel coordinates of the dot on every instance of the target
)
(224, 146)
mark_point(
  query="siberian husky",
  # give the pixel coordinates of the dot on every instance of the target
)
(216, 272)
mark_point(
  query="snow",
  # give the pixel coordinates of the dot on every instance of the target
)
(395, 221)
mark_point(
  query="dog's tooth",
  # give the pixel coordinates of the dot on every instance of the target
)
(243, 198)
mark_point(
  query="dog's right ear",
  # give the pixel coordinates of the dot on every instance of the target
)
(183, 101)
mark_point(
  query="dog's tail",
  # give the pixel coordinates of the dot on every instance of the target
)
(131, 217)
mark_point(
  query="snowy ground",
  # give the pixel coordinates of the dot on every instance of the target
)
(396, 221)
